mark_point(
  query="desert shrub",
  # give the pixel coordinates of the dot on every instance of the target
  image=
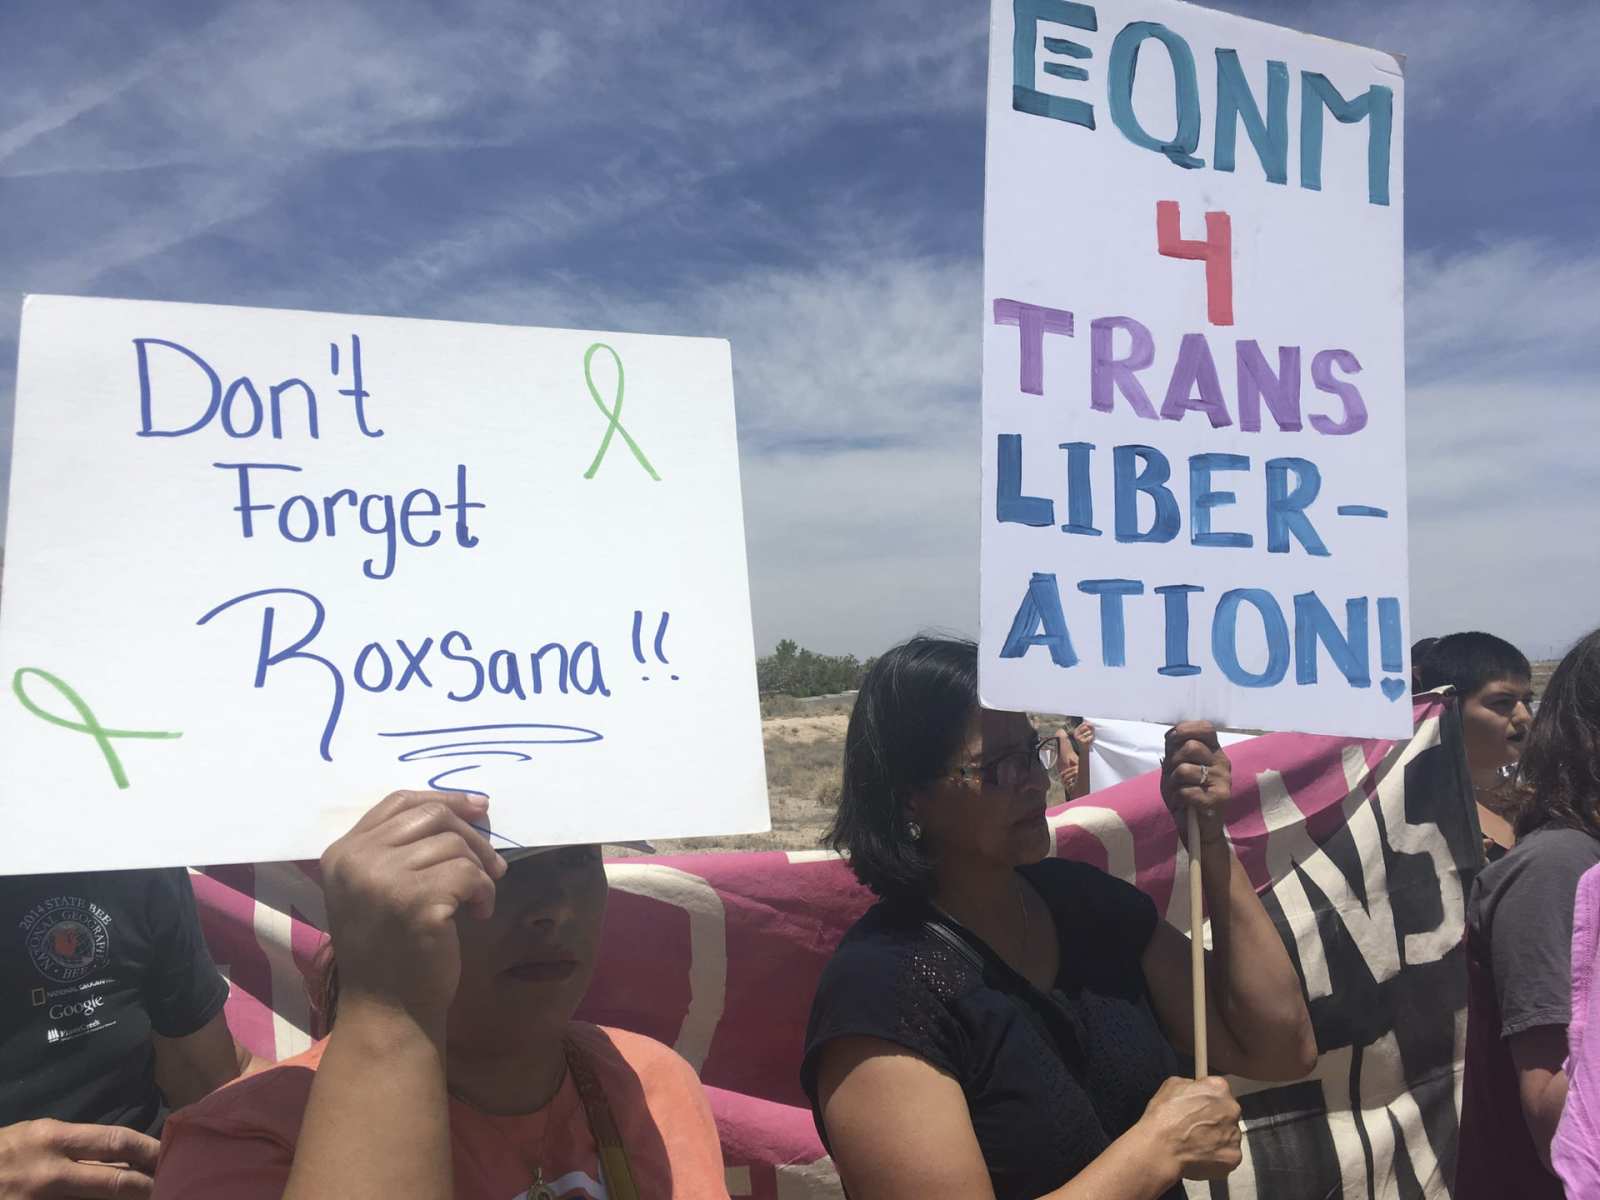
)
(792, 670)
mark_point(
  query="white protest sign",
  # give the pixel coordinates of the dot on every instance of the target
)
(1194, 486)
(264, 567)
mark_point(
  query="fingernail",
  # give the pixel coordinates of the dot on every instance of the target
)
(478, 801)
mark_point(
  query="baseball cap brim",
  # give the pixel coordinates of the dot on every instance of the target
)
(514, 853)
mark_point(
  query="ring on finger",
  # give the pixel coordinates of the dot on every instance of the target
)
(1205, 773)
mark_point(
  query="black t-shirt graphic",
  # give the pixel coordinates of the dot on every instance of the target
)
(92, 965)
(1051, 1080)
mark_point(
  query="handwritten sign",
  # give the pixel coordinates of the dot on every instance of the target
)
(1194, 490)
(264, 567)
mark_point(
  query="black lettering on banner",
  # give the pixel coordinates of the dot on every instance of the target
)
(1380, 1105)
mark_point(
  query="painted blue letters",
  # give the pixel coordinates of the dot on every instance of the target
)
(1113, 628)
(1235, 101)
(1286, 507)
(1203, 498)
(1124, 64)
(1175, 598)
(1010, 505)
(1376, 105)
(1347, 647)
(1026, 15)
(1080, 490)
(1040, 622)
(1144, 469)
(1225, 637)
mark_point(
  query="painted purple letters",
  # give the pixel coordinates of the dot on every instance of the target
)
(1355, 409)
(1257, 382)
(1195, 366)
(1109, 374)
(1033, 321)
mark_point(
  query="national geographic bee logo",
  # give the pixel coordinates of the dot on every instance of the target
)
(67, 938)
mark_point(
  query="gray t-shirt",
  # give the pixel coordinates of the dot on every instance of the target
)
(1521, 911)
(1519, 977)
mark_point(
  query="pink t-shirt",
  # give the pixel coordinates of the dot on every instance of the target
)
(1575, 1152)
(239, 1142)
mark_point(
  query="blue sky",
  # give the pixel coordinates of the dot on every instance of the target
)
(805, 180)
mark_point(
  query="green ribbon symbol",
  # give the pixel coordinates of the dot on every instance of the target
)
(614, 415)
(88, 723)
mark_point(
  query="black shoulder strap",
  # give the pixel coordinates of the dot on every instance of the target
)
(1051, 1016)
(956, 942)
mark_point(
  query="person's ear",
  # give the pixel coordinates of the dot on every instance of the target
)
(913, 814)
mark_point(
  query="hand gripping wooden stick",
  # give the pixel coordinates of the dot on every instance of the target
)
(1197, 945)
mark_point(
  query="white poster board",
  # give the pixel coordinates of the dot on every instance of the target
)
(1194, 487)
(288, 562)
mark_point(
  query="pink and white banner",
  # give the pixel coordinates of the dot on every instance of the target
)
(1362, 851)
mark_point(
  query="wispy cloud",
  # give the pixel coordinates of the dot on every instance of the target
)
(1504, 406)
(805, 181)
(1483, 62)
(1526, 307)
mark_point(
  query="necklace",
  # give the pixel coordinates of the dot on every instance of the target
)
(1021, 903)
(539, 1189)
(616, 1173)
(1022, 908)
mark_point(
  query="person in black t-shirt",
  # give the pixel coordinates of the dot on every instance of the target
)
(1005, 1023)
(111, 1014)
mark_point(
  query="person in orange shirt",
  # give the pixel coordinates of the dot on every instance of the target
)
(454, 1067)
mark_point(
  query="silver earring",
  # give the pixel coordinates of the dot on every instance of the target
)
(914, 830)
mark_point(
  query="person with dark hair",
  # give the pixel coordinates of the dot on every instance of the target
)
(1494, 683)
(1003, 1023)
(1519, 940)
(1419, 653)
(454, 1067)
(112, 1015)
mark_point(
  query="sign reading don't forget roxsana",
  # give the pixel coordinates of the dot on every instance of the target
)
(263, 567)
(1194, 498)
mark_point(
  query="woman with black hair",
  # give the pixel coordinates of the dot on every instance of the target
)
(1519, 945)
(1005, 1024)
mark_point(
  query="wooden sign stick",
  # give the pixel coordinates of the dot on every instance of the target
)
(1197, 945)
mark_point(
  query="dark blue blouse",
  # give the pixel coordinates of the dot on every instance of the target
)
(1051, 1079)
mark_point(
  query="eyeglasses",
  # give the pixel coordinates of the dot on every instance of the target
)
(1013, 768)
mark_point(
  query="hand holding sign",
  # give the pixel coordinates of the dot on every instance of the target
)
(394, 884)
(1194, 1127)
(1197, 779)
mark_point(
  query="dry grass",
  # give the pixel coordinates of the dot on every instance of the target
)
(1541, 676)
(804, 741)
